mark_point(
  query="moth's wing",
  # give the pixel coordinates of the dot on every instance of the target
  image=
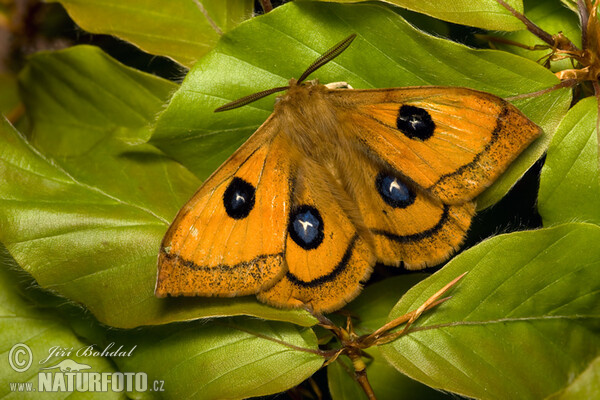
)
(326, 257)
(406, 223)
(229, 239)
(452, 142)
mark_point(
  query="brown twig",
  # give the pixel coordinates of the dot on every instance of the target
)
(353, 345)
(531, 26)
(266, 5)
(559, 43)
(563, 84)
(360, 373)
(409, 318)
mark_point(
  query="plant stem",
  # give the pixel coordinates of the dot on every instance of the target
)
(266, 5)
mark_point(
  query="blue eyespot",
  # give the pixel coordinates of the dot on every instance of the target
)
(306, 227)
(238, 198)
(415, 122)
(393, 191)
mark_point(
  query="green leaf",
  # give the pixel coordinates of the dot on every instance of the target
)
(181, 29)
(551, 16)
(225, 359)
(10, 94)
(371, 310)
(40, 330)
(570, 180)
(487, 14)
(585, 386)
(387, 53)
(91, 114)
(523, 323)
(84, 210)
(11, 105)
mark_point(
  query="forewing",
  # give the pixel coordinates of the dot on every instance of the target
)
(452, 142)
(229, 239)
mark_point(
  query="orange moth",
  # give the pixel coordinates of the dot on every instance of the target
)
(334, 181)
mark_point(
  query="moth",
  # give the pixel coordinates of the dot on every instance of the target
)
(334, 181)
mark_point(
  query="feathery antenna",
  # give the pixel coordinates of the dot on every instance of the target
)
(249, 99)
(318, 63)
(328, 56)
